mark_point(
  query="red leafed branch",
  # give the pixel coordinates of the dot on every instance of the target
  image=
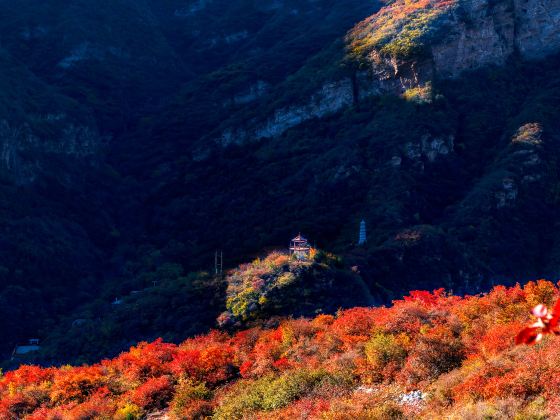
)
(547, 323)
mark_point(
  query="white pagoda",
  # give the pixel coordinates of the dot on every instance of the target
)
(363, 236)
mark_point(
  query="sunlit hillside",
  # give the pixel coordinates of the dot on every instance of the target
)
(429, 355)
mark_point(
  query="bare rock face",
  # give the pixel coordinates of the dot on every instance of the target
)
(331, 98)
(451, 37)
(468, 35)
(486, 35)
(24, 153)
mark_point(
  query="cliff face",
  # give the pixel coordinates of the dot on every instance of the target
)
(406, 45)
(330, 98)
(24, 154)
(41, 130)
(463, 35)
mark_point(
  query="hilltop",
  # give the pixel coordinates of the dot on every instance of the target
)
(408, 44)
(281, 285)
(429, 354)
(175, 304)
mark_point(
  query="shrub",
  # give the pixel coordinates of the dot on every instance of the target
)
(385, 351)
(269, 393)
(190, 400)
(154, 394)
(129, 412)
(434, 353)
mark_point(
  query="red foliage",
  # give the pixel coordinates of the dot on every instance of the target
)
(496, 339)
(547, 323)
(426, 298)
(76, 385)
(459, 349)
(146, 360)
(153, 394)
(282, 364)
(212, 364)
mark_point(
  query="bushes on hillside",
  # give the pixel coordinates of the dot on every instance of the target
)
(401, 30)
(258, 289)
(430, 354)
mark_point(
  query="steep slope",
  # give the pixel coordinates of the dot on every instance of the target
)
(406, 46)
(279, 37)
(82, 79)
(40, 125)
(110, 55)
(268, 39)
(52, 230)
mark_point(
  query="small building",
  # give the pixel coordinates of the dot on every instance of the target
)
(31, 347)
(299, 248)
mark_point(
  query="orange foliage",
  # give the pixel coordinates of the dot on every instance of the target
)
(153, 394)
(362, 362)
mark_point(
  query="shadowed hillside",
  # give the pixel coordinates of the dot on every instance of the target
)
(139, 137)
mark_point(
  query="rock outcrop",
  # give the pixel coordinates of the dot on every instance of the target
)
(24, 153)
(331, 98)
(42, 132)
(458, 36)
(406, 45)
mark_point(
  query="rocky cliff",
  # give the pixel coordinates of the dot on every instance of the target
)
(406, 45)
(402, 48)
(24, 154)
(41, 130)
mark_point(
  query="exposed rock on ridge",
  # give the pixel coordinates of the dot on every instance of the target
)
(23, 154)
(464, 35)
(447, 39)
(331, 98)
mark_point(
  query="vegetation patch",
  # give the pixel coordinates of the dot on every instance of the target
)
(403, 29)
(430, 355)
(254, 289)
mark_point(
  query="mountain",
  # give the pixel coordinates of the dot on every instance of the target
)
(139, 137)
(81, 84)
(429, 355)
